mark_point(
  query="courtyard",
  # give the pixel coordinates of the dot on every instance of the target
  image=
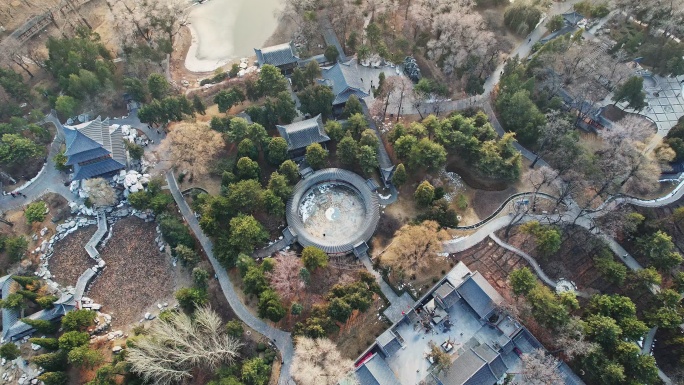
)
(410, 364)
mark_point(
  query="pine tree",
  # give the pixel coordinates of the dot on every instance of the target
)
(47, 343)
(400, 176)
(41, 326)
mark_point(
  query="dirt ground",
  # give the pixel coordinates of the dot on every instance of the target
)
(425, 278)
(361, 330)
(495, 264)
(70, 259)
(14, 13)
(137, 276)
(58, 208)
(574, 261)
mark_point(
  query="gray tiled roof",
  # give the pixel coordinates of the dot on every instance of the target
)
(302, 134)
(376, 372)
(568, 375)
(90, 141)
(9, 316)
(86, 155)
(498, 367)
(77, 142)
(388, 342)
(345, 80)
(12, 327)
(101, 167)
(276, 55)
(479, 294)
(573, 17)
(484, 376)
(447, 294)
(465, 367)
(118, 148)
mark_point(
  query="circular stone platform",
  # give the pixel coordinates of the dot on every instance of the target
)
(334, 210)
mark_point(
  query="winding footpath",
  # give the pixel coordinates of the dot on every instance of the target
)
(533, 262)
(283, 340)
(47, 180)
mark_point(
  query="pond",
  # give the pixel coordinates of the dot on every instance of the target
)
(224, 30)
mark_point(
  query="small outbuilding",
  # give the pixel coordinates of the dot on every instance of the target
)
(282, 56)
(300, 135)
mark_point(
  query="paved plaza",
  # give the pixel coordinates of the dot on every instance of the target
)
(665, 101)
(410, 364)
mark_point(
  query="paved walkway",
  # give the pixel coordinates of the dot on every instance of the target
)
(132, 120)
(47, 180)
(280, 244)
(397, 304)
(283, 340)
(533, 262)
(90, 247)
(330, 36)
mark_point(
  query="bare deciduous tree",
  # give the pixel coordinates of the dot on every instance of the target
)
(174, 347)
(572, 340)
(538, 368)
(285, 278)
(625, 158)
(149, 20)
(318, 362)
(414, 247)
(193, 146)
(12, 53)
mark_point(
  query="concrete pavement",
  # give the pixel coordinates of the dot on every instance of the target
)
(397, 304)
(283, 340)
(330, 36)
(47, 180)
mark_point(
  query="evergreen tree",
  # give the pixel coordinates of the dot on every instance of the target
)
(399, 177)
(425, 194)
(316, 156)
(199, 105)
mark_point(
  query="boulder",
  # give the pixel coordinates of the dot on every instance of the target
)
(148, 316)
(130, 180)
(120, 213)
(116, 349)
